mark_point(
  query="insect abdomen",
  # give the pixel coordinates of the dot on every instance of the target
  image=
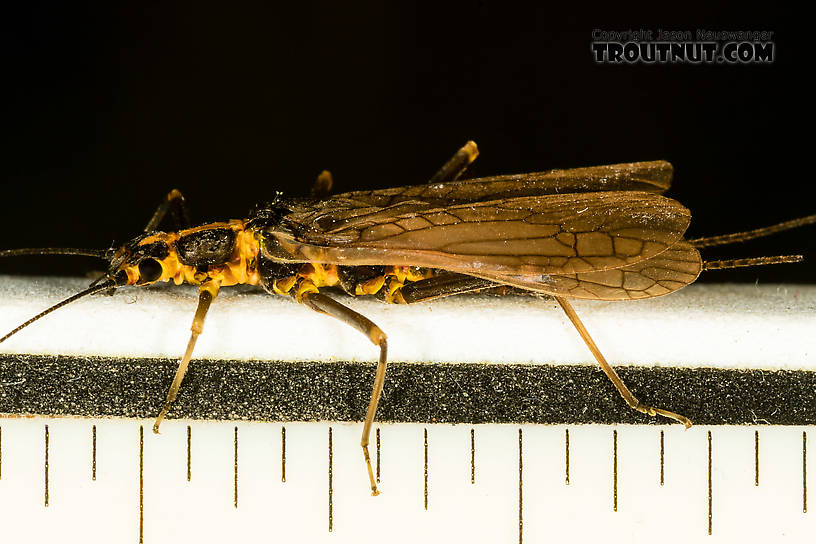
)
(295, 279)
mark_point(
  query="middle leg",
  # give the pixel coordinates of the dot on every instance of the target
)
(206, 293)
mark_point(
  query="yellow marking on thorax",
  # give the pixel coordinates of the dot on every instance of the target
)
(241, 268)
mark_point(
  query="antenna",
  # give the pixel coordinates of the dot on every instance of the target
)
(110, 284)
(98, 253)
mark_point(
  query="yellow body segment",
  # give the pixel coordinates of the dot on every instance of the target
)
(312, 276)
(242, 267)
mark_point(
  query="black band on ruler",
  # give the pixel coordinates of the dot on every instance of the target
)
(416, 392)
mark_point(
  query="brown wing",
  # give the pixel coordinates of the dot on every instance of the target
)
(669, 271)
(651, 176)
(555, 234)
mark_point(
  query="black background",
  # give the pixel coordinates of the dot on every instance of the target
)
(105, 110)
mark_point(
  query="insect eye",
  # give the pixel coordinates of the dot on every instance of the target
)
(150, 270)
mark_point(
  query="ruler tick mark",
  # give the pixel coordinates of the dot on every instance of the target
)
(331, 482)
(189, 441)
(804, 472)
(615, 470)
(141, 484)
(426, 467)
(283, 454)
(235, 469)
(709, 484)
(566, 455)
(756, 458)
(662, 459)
(93, 453)
(472, 456)
(520, 488)
(46, 465)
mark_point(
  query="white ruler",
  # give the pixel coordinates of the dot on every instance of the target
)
(114, 481)
(440, 483)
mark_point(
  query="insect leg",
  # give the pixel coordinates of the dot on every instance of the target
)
(610, 372)
(323, 185)
(323, 304)
(206, 293)
(444, 285)
(453, 284)
(456, 165)
(175, 202)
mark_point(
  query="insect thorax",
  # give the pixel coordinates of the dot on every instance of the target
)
(226, 252)
(285, 268)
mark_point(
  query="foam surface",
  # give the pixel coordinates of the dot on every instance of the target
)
(728, 326)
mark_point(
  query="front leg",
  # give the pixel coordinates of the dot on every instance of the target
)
(206, 293)
(323, 304)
